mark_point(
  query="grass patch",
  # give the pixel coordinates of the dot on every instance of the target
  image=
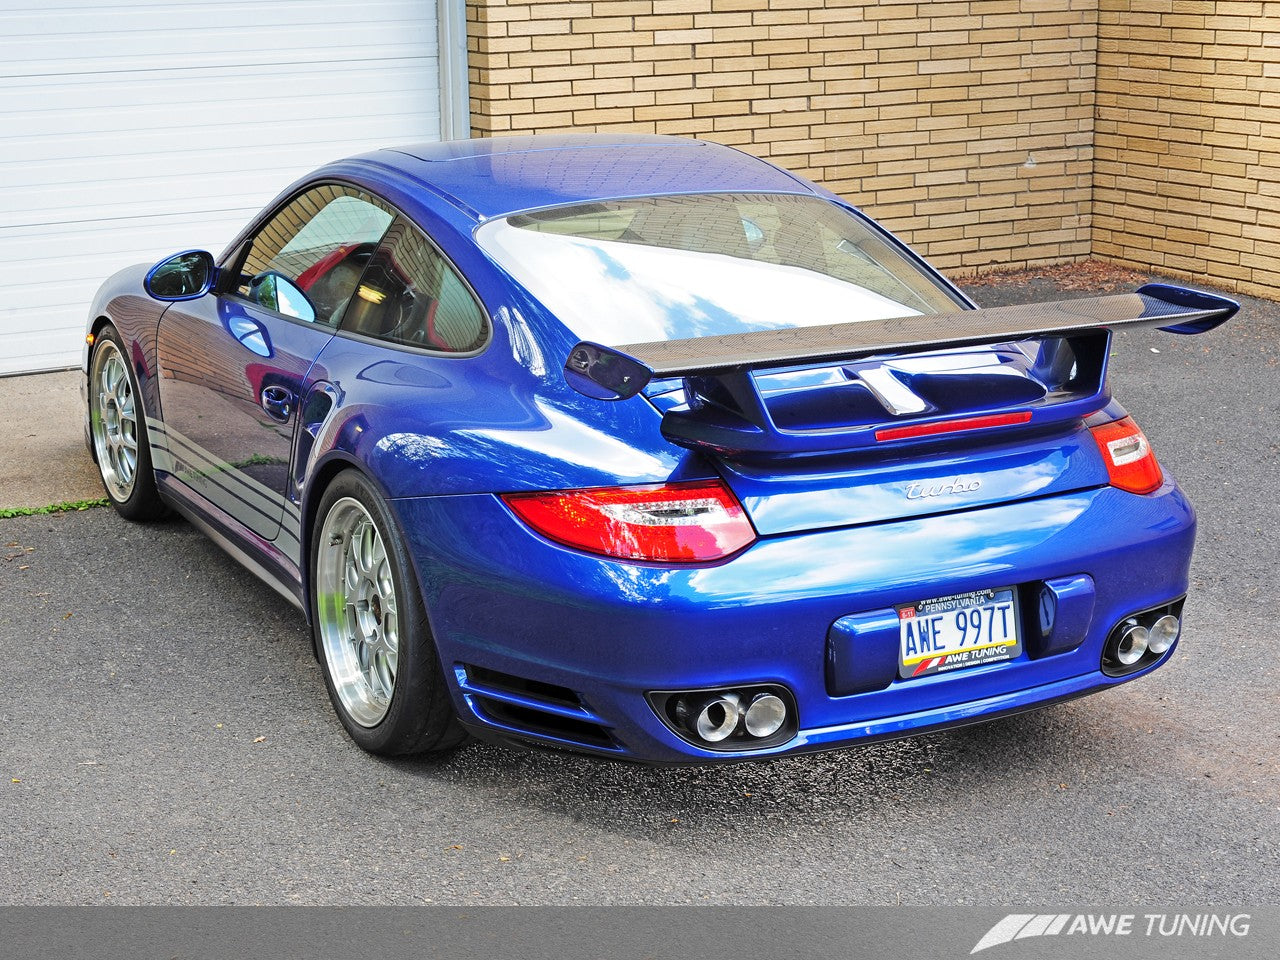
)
(66, 506)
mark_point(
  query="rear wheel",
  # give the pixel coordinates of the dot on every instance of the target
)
(376, 650)
(118, 426)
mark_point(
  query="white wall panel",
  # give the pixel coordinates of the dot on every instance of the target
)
(132, 130)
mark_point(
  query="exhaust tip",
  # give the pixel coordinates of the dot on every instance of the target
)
(718, 718)
(750, 717)
(765, 716)
(1141, 640)
(1133, 644)
(1164, 633)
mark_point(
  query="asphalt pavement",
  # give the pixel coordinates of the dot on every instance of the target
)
(166, 737)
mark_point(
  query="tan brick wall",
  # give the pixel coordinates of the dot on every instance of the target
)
(1188, 139)
(924, 114)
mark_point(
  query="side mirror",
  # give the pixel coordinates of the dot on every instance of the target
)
(184, 276)
(277, 292)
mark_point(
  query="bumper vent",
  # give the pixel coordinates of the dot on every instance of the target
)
(531, 707)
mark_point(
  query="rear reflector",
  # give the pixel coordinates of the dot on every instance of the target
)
(1131, 465)
(952, 426)
(667, 523)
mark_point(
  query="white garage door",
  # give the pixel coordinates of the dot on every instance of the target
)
(136, 129)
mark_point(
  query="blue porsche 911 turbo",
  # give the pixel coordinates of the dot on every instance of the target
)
(646, 448)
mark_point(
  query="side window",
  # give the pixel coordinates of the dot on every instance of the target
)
(411, 295)
(307, 260)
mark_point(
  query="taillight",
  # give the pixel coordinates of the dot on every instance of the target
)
(1130, 463)
(668, 523)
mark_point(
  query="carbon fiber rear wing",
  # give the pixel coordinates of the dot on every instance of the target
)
(726, 410)
(614, 373)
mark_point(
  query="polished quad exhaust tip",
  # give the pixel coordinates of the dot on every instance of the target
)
(750, 717)
(766, 715)
(1133, 644)
(1138, 641)
(1164, 633)
(718, 718)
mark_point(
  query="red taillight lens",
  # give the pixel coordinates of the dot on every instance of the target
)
(668, 523)
(1130, 463)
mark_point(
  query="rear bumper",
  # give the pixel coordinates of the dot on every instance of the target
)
(817, 740)
(589, 638)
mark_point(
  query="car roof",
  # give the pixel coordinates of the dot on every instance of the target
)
(502, 175)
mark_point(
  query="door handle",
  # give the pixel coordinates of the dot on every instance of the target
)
(278, 403)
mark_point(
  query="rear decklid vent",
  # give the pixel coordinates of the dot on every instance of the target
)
(867, 403)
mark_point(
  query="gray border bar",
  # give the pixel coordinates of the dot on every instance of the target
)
(631, 933)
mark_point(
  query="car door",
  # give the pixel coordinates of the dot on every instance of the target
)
(233, 363)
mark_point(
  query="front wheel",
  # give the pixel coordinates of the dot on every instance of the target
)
(118, 426)
(376, 650)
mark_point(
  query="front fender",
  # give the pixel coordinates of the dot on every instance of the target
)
(121, 302)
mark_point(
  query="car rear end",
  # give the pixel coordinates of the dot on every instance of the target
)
(862, 542)
(636, 657)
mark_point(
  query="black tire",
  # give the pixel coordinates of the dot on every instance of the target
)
(118, 430)
(388, 690)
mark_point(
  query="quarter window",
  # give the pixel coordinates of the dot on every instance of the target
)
(319, 243)
(411, 295)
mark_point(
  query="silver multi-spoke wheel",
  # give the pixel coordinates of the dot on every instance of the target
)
(114, 421)
(118, 429)
(371, 631)
(357, 619)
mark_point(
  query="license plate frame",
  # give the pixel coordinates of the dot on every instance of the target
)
(932, 641)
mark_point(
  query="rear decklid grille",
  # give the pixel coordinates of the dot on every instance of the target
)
(869, 403)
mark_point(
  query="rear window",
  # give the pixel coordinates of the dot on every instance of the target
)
(675, 267)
